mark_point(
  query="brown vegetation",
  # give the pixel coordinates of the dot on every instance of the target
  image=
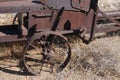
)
(97, 61)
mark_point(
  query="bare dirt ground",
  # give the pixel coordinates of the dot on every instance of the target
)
(99, 60)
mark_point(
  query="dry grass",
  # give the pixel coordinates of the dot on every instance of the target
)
(97, 61)
(11, 49)
(108, 5)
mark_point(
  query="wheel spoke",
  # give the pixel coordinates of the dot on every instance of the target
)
(51, 49)
(33, 46)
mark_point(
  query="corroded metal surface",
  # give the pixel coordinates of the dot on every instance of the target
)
(9, 0)
(77, 13)
(76, 5)
(20, 6)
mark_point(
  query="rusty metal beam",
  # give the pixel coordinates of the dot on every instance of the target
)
(10, 0)
(110, 13)
(20, 6)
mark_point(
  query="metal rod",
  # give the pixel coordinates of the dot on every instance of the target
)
(110, 13)
(10, 0)
(109, 17)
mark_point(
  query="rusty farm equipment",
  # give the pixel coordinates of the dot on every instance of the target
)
(44, 24)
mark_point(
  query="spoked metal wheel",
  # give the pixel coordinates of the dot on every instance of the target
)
(46, 51)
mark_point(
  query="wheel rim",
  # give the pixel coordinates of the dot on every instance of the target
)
(46, 51)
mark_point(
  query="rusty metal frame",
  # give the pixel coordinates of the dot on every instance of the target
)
(20, 7)
(9, 6)
(56, 17)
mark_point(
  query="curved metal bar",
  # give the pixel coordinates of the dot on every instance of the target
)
(38, 36)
